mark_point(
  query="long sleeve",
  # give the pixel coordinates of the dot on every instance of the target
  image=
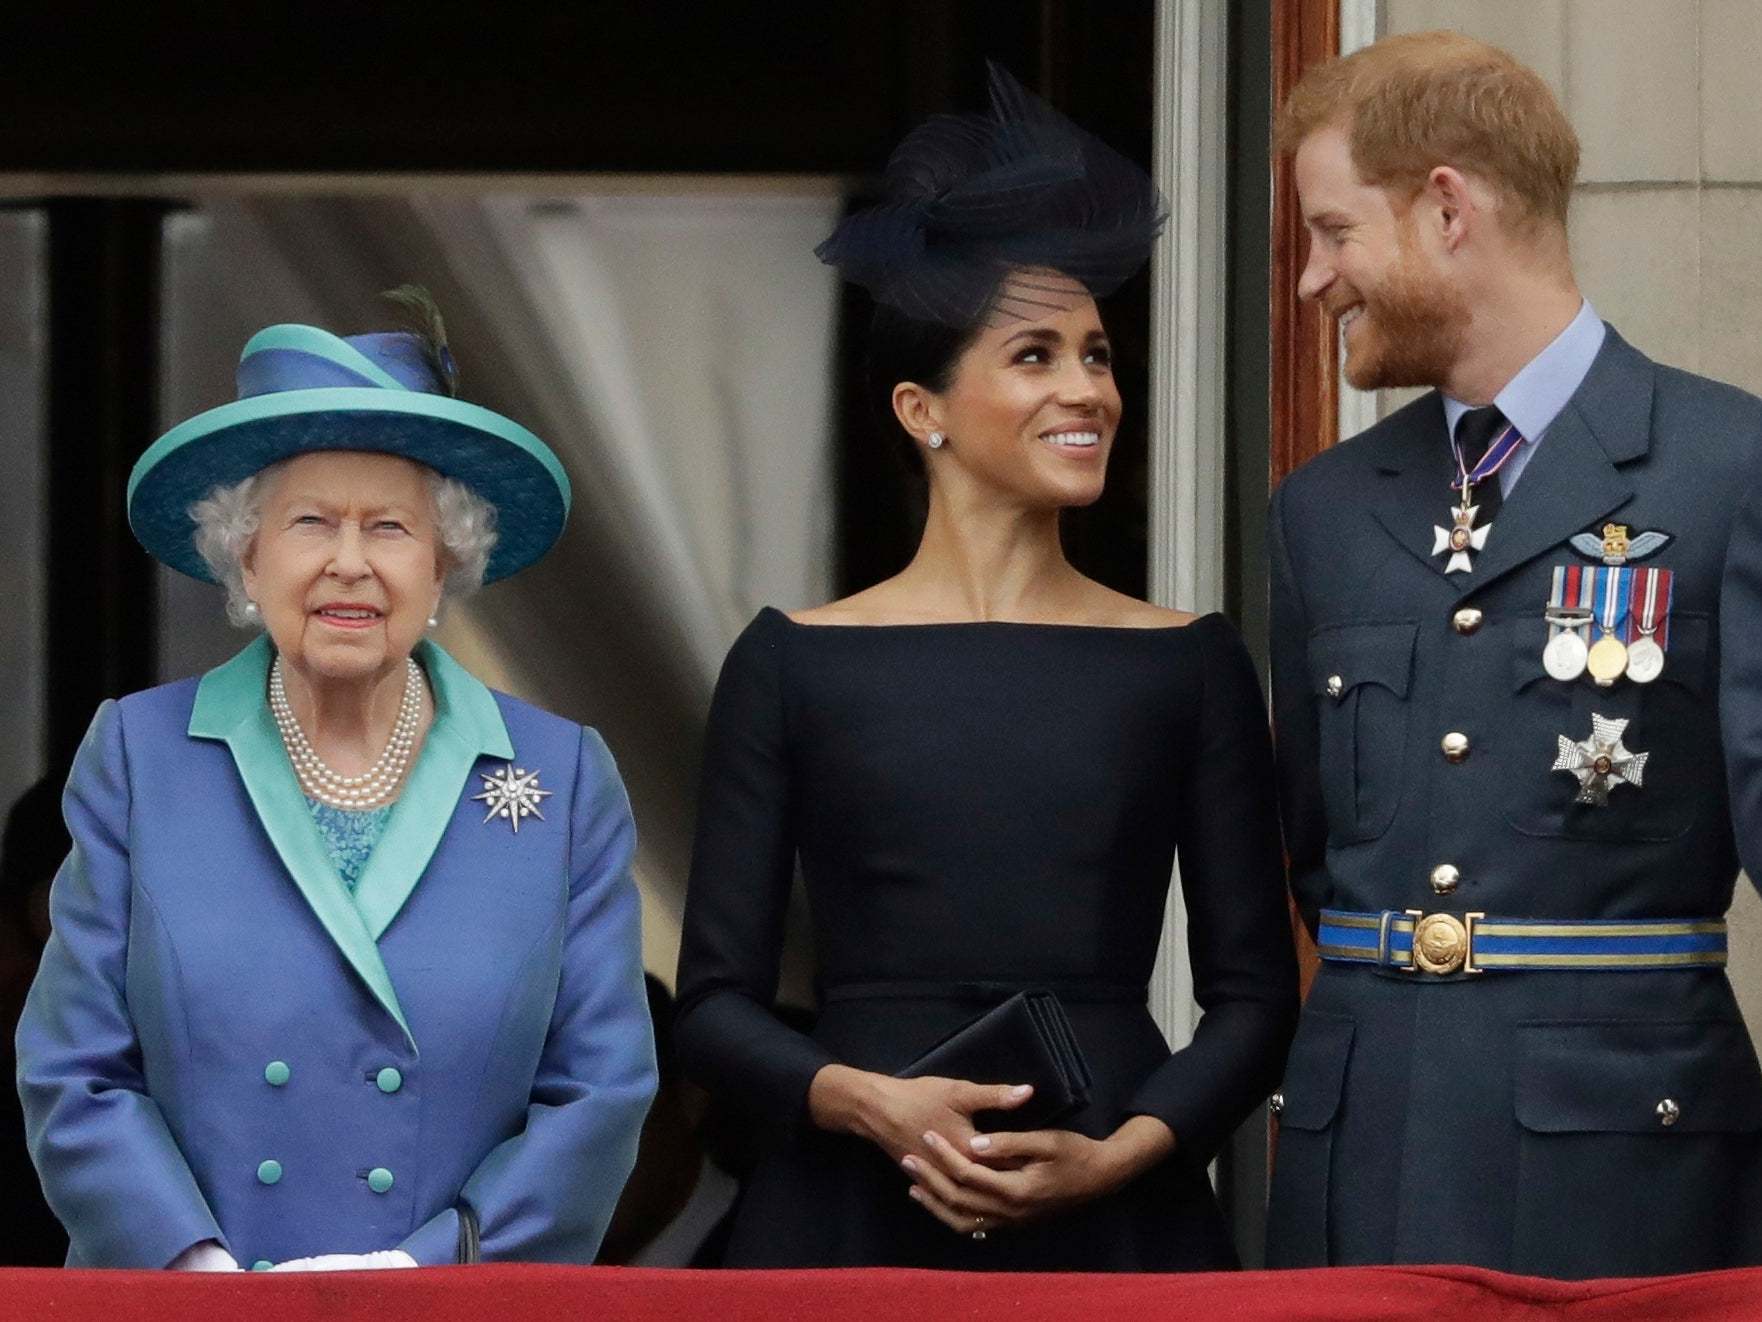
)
(742, 867)
(1238, 936)
(111, 1169)
(546, 1194)
(1295, 729)
(1740, 680)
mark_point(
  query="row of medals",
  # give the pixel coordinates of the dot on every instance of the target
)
(1567, 655)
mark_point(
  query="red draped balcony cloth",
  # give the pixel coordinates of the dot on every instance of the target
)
(492, 1293)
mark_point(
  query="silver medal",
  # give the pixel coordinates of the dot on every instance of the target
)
(1645, 655)
(1645, 660)
(1565, 656)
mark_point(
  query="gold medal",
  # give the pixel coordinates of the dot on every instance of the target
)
(1607, 660)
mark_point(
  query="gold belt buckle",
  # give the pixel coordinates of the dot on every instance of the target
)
(1442, 942)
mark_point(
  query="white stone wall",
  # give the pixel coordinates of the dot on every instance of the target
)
(1667, 219)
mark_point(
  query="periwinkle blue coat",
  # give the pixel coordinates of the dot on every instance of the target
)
(469, 1024)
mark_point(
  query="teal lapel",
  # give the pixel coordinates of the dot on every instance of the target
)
(232, 706)
(467, 725)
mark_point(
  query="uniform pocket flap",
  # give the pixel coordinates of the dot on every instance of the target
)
(1344, 656)
(1315, 1072)
(1686, 661)
(1529, 639)
(1639, 1076)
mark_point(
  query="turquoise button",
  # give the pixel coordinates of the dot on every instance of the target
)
(379, 1179)
(262, 1265)
(389, 1080)
(269, 1172)
(276, 1073)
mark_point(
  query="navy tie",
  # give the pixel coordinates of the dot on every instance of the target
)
(1475, 431)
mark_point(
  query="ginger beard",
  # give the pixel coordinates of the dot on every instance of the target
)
(1412, 326)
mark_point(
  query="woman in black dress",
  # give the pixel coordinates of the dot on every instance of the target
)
(987, 766)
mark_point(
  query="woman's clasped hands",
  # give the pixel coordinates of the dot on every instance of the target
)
(973, 1181)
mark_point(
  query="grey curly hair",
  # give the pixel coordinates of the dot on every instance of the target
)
(227, 518)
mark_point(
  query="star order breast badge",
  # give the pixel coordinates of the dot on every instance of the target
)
(1601, 762)
(511, 793)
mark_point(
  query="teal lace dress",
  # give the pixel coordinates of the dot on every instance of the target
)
(349, 836)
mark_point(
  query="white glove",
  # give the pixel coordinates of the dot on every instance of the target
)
(347, 1262)
(206, 1256)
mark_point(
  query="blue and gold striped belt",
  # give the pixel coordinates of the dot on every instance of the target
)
(1442, 943)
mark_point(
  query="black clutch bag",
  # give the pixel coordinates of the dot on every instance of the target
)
(1027, 1039)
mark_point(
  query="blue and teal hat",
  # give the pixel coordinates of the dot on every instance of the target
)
(303, 389)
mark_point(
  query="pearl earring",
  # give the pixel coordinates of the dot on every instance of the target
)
(433, 622)
(937, 440)
(251, 608)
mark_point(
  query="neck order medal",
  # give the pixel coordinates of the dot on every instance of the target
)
(1460, 539)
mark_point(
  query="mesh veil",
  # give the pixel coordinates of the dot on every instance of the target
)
(970, 198)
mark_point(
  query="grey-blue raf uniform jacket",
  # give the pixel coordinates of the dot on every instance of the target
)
(1516, 1119)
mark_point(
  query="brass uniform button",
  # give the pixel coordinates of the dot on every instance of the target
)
(1445, 878)
(1336, 686)
(1455, 746)
(1276, 1103)
(1467, 620)
(1668, 1112)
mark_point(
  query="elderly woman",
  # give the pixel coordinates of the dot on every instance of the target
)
(345, 967)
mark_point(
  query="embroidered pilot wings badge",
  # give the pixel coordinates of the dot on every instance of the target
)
(1616, 547)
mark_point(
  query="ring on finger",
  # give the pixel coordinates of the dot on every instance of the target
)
(979, 1224)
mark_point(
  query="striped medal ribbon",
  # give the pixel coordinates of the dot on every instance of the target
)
(1649, 624)
(1570, 612)
(1607, 659)
(1490, 463)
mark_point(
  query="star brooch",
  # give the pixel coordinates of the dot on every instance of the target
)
(1600, 762)
(511, 793)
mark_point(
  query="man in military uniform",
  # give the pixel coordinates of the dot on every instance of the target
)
(1517, 672)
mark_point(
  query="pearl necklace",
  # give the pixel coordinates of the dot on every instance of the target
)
(380, 781)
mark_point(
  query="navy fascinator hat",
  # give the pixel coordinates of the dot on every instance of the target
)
(971, 198)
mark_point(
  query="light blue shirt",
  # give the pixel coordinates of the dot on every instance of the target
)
(1534, 397)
